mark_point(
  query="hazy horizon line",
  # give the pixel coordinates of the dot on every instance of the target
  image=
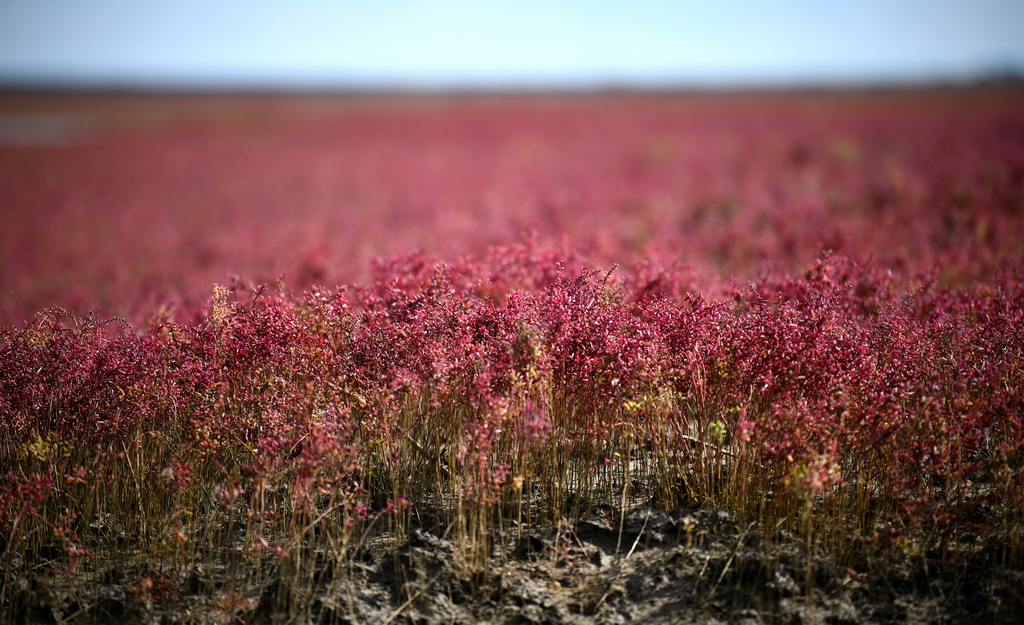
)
(14, 81)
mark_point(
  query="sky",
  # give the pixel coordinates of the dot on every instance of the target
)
(467, 43)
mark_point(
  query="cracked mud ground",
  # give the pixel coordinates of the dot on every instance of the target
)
(689, 566)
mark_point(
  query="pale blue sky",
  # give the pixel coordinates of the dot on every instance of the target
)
(527, 42)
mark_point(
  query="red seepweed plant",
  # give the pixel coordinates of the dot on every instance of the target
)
(267, 439)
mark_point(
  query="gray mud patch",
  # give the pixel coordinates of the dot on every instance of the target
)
(689, 566)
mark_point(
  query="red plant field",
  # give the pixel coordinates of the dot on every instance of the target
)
(150, 201)
(244, 337)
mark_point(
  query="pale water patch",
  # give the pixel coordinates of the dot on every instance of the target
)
(41, 129)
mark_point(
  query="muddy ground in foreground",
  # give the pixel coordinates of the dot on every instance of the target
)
(690, 566)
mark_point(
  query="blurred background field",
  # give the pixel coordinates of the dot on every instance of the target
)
(131, 203)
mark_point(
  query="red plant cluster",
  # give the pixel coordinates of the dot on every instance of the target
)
(436, 381)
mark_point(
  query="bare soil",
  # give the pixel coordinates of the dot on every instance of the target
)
(689, 566)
